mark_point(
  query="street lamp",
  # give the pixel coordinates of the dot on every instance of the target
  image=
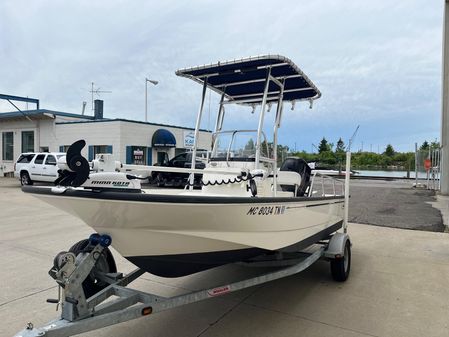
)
(146, 95)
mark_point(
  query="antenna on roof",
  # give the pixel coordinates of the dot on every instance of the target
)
(98, 92)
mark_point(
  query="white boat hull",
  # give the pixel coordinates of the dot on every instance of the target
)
(187, 227)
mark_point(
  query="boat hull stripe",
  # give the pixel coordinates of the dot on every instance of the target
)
(188, 199)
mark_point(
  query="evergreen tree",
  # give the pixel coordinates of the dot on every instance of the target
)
(435, 144)
(340, 146)
(424, 146)
(389, 151)
(324, 146)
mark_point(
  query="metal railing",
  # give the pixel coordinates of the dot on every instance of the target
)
(325, 186)
(428, 168)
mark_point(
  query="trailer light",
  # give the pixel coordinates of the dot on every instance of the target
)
(146, 311)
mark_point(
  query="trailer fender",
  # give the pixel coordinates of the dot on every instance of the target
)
(336, 245)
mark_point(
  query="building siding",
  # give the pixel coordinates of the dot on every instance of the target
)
(117, 134)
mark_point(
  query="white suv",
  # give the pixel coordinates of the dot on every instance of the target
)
(32, 167)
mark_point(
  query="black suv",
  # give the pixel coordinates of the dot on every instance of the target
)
(183, 160)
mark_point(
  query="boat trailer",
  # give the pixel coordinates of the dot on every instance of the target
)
(80, 314)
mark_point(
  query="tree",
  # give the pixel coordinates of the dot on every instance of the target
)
(435, 144)
(340, 146)
(389, 151)
(324, 146)
(250, 145)
(424, 146)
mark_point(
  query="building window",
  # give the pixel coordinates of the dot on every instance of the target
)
(63, 148)
(96, 149)
(27, 141)
(8, 146)
(102, 149)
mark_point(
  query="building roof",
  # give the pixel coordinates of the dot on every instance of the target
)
(82, 118)
(106, 120)
(40, 113)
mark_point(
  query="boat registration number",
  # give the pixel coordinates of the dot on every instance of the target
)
(266, 210)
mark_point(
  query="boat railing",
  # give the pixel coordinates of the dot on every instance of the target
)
(325, 186)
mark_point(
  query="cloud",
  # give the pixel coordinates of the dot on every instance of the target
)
(374, 61)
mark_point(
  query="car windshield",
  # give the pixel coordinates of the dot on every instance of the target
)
(238, 145)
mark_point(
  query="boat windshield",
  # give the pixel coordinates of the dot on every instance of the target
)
(238, 146)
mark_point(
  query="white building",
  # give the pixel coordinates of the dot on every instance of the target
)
(129, 141)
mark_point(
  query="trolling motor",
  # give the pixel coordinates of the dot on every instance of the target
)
(76, 171)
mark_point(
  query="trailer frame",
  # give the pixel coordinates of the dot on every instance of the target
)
(81, 315)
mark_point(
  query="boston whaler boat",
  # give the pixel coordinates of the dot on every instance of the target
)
(246, 208)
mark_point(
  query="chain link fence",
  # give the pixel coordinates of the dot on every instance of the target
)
(427, 168)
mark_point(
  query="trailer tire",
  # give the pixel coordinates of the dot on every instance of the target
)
(105, 263)
(341, 266)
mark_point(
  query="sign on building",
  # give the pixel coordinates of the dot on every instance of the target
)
(189, 139)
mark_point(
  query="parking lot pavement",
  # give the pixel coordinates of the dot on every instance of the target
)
(394, 204)
(397, 287)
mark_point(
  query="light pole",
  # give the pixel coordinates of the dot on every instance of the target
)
(146, 95)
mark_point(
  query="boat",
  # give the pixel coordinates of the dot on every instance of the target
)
(247, 205)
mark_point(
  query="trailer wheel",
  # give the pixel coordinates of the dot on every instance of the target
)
(340, 267)
(104, 264)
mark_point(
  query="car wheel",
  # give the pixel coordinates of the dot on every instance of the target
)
(25, 179)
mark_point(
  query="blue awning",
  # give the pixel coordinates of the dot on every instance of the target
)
(163, 138)
(244, 80)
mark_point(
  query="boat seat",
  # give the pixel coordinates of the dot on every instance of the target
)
(289, 181)
(300, 167)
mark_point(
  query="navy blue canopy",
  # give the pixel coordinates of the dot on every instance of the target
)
(163, 138)
(244, 80)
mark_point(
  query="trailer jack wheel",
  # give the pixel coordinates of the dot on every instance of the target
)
(105, 264)
(341, 266)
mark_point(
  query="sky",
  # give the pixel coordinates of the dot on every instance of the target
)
(377, 63)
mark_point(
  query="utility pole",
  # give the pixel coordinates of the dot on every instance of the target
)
(444, 169)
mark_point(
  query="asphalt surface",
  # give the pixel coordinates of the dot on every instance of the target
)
(397, 287)
(394, 204)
